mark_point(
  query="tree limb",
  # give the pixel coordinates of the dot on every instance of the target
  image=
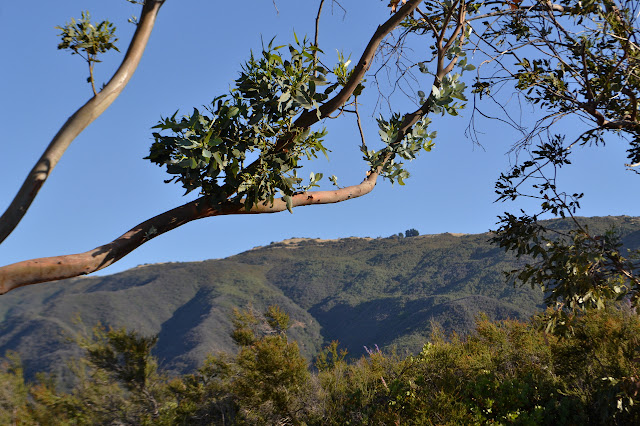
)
(73, 265)
(310, 117)
(67, 266)
(79, 121)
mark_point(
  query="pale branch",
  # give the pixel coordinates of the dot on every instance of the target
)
(68, 266)
(79, 121)
(309, 118)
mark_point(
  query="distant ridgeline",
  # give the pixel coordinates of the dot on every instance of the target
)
(360, 291)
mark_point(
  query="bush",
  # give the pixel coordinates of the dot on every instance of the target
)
(505, 372)
(411, 233)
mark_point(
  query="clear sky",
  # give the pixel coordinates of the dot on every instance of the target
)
(102, 187)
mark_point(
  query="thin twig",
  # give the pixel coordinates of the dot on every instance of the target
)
(364, 145)
(315, 39)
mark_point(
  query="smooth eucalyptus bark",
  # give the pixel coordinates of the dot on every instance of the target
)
(79, 121)
(73, 265)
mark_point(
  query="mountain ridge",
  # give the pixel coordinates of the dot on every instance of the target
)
(360, 291)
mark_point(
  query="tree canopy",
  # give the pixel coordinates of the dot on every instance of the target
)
(576, 62)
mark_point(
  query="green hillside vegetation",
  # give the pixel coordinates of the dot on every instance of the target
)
(361, 292)
(507, 372)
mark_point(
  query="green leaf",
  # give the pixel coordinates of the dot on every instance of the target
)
(205, 141)
(233, 111)
(255, 118)
(187, 144)
(216, 156)
(216, 141)
(289, 202)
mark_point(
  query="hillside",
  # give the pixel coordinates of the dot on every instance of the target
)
(360, 291)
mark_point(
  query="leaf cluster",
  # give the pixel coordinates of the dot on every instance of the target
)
(253, 124)
(575, 269)
(88, 40)
(406, 147)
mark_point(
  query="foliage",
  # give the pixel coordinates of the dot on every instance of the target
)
(88, 40)
(14, 391)
(116, 381)
(575, 269)
(330, 356)
(585, 64)
(266, 383)
(125, 355)
(208, 152)
(598, 361)
(508, 372)
(411, 233)
(406, 147)
(505, 372)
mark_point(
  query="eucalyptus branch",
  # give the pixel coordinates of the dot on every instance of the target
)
(311, 117)
(308, 118)
(67, 266)
(79, 121)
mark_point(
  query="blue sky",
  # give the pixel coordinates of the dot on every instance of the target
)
(102, 187)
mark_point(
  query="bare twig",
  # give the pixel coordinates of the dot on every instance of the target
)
(91, 79)
(363, 143)
(315, 39)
